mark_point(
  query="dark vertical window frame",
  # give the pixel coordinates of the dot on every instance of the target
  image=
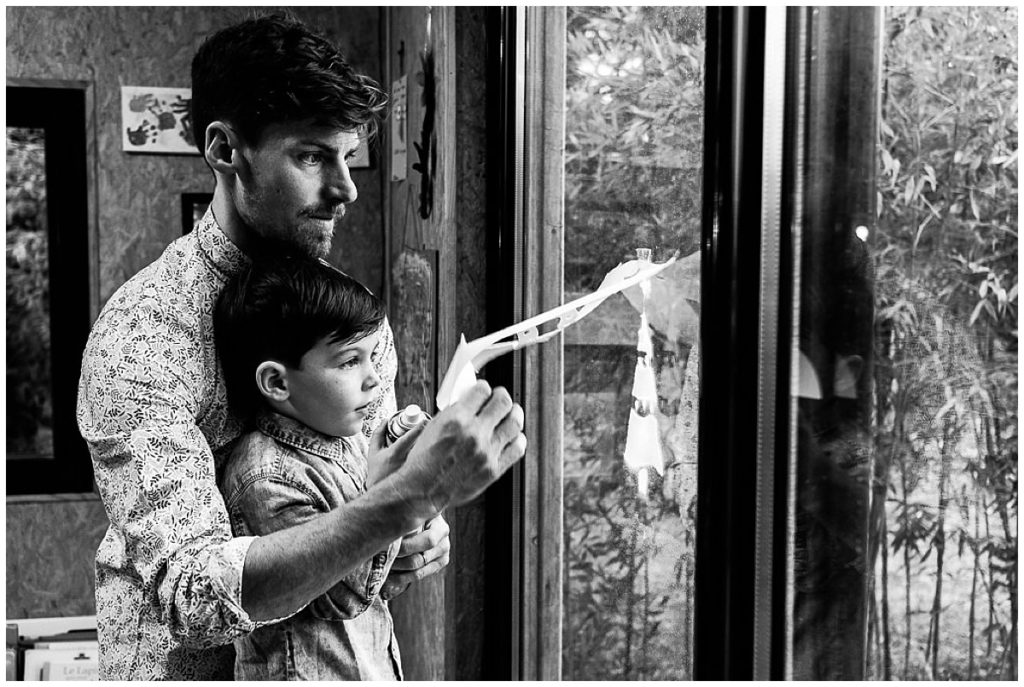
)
(736, 534)
(502, 500)
(62, 110)
(725, 569)
(793, 169)
(525, 247)
(840, 96)
(771, 344)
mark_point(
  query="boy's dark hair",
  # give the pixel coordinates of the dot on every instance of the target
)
(273, 69)
(278, 309)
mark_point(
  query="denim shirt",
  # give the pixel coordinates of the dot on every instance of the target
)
(283, 474)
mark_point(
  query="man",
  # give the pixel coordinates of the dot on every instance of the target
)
(277, 113)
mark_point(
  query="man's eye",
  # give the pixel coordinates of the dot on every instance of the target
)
(351, 154)
(311, 158)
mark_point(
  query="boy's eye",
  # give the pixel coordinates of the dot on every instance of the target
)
(351, 154)
(311, 158)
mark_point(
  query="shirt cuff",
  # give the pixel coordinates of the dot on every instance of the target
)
(226, 573)
(233, 561)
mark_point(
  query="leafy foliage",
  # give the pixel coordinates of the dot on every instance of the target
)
(946, 313)
(29, 412)
(634, 102)
(946, 295)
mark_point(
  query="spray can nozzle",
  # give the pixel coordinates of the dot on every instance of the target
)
(401, 422)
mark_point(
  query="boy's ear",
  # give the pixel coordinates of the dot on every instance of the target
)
(222, 148)
(272, 380)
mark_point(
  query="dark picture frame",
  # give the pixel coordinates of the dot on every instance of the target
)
(193, 207)
(61, 113)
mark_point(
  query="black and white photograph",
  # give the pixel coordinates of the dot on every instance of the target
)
(519, 343)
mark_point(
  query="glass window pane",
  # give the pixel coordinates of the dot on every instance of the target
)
(906, 491)
(634, 103)
(29, 389)
(944, 603)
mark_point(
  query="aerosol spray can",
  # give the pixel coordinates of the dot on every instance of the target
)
(401, 422)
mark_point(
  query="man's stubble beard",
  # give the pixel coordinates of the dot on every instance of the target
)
(275, 245)
(271, 241)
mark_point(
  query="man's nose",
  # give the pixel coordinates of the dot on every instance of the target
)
(340, 187)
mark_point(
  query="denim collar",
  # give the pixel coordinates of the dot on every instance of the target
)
(223, 256)
(297, 435)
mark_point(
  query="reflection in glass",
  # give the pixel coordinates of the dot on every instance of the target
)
(633, 161)
(906, 491)
(29, 389)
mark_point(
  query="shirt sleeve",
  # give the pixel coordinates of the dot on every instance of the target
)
(154, 469)
(270, 502)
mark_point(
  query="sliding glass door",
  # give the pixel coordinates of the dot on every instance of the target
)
(792, 454)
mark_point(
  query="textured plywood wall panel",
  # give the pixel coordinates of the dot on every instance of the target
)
(139, 195)
(50, 551)
(470, 315)
(50, 546)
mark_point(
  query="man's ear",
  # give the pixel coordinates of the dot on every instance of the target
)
(272, 381)
(222, 148)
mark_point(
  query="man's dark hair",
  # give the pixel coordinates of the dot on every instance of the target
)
(278, 309)
(273, 69)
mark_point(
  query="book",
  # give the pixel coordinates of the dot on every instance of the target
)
(39, 663)
(75, 669)
(84, 645)
(12, 652)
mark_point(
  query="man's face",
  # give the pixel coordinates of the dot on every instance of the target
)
(333, 386)
(293, 191)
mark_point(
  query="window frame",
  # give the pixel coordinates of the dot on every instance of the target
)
(754, 154)
(725, 576)
(63, 110)
(542, 184)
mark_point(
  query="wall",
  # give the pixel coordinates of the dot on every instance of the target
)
(51, 544)
(438, 289)
(469, 522)
(421, 283)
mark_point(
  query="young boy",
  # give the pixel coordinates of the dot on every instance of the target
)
(294, 337)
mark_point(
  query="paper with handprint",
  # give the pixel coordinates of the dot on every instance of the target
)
(156, 120)
(470, 357)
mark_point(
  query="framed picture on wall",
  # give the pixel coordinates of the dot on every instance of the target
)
(193, 207)
(156, 120)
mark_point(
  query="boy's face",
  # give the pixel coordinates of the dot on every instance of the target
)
(333, 385)
(296, 185)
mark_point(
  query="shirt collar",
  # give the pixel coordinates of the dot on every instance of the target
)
(297, 435)
(223, 256)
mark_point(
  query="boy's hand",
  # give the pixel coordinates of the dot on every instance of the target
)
(421, 554)
(383, 460)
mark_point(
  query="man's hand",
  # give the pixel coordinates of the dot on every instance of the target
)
(421, 554)
(463, 450)
(384, 460)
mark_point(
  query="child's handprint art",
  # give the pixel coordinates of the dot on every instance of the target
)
(145, 133)
(156, 120)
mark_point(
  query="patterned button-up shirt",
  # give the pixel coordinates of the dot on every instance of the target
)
(152, 408)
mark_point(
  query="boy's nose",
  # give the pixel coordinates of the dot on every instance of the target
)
(373, 380)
